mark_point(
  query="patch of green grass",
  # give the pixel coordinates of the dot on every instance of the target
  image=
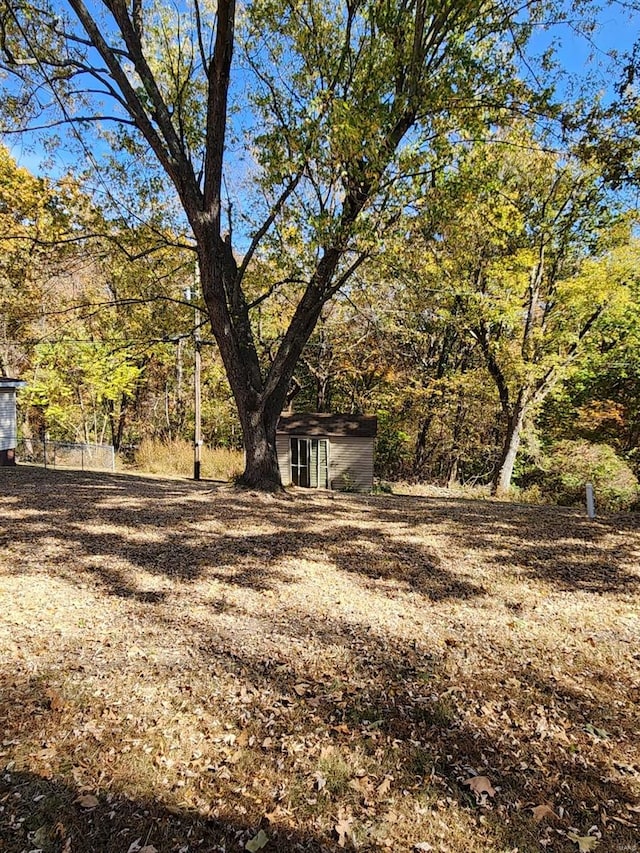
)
(335, 771)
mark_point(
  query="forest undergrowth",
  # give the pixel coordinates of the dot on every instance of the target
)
(188, 667)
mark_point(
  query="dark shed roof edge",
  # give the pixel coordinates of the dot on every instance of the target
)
(8, 382)
(304, 423)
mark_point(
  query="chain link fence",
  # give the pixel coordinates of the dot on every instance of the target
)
(64, 454)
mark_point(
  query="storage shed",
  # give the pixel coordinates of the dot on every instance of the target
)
(321, 451)
(8, 423)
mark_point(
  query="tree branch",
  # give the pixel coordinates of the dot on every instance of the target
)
(266, 225)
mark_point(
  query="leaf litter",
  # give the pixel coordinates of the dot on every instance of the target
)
(188, 667)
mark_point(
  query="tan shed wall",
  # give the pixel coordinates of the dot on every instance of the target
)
(351, 458)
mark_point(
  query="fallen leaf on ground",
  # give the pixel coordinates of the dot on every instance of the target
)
(542, 812)
(603, 734)
(41, 836)
(87, 801)
(320, 782)
(135, 847)
(343, 829)
(585, 842)
(361, 785)
(480, 785)
(384, 787)
(56, 702)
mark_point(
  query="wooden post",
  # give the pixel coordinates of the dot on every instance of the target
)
(197, 436)
(197, 445)
(591, 506)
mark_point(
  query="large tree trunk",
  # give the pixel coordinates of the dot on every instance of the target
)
(504, 472)
(261, 469)
(259, 399)
(454, 456)
(452, 474)
(259, 405)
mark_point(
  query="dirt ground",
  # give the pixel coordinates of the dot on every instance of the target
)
(185, 667)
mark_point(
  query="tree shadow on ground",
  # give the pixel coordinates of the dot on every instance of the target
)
(554, 544)
(148, 526)
(543, 742)
(48, 815)
(404, 702)
(394, 709)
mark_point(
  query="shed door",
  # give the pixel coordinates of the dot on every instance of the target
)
(320, 463)
(310, 462)
(300, 475)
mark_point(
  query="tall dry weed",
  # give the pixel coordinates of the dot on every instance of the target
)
(175, 458)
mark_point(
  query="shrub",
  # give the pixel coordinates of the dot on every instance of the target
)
(346, 482)
(382, 487)
(533, 494)
(573, 464)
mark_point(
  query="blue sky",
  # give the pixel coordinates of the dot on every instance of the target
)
(618, 29)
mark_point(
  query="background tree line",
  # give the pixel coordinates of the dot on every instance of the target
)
(517, 294)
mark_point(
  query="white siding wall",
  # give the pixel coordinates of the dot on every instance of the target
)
(8, 437)
(351, 458)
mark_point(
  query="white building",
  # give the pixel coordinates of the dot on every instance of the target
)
(8, 422)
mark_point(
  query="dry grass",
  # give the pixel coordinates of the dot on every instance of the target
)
(429, 490)
(175, 459)
(185, 666)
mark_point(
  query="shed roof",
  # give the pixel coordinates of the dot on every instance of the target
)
(7, 383)
(360, 426)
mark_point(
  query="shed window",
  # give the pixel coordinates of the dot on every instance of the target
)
(310, 462)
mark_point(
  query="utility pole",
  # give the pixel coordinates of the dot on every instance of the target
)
(197, 443)
(197, 438)
(197, 432)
